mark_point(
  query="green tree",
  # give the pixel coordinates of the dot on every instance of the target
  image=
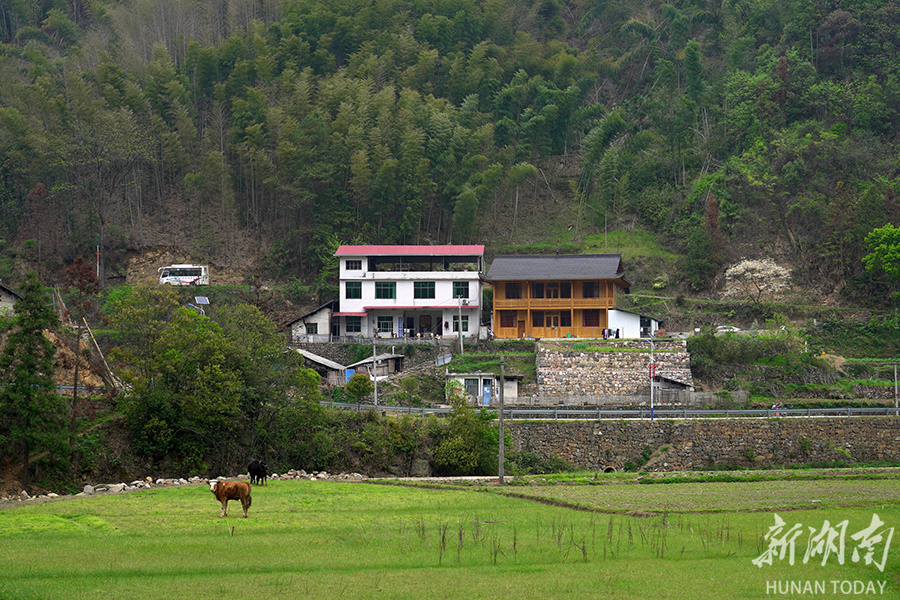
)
(140, 314)
(468, 445)
(187, 406)
(884, 255)
(32, 414)
(359, 386)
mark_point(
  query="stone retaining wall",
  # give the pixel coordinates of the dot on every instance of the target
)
(570, 372)
(422, 354)
(700, 444)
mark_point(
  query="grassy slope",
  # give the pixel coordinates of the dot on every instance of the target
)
(329, 540)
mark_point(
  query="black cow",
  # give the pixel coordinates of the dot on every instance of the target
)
(259, 471)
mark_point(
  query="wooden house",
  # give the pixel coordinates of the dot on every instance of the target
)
(558, 296)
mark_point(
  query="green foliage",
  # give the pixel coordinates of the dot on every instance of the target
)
(32, 414)
(879, 337)
(320, 123)
(785, 345)
(884, 252)
(519, 363)
(468, 445)
(529, 462)
(359, 386)
(207, 392)
(140, 314)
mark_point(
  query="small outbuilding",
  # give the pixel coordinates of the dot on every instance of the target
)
(333, 373)
(314, 326)
(8, 299)
(484, 388)
(385, 364)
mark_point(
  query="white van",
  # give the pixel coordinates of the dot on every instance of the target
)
(184, 275)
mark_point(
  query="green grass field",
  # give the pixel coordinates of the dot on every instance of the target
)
(359, 540)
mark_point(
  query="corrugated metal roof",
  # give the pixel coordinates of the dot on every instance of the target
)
(445, 250)
(321, 360)
(378, 357)
(556, 267)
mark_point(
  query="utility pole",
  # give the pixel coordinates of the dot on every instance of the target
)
(652, 372)
(502, 433)
(460, 327)
(374, 371)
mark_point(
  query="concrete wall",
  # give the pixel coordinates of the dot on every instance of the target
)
(569, 372)
(698, 444)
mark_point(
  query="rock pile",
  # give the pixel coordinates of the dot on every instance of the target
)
(316, 475)
(149, 483)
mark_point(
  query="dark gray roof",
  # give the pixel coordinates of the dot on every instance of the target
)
(557, 267)
(332, 304)
(10, 291)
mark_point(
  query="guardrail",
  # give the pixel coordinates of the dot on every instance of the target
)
(587, 413)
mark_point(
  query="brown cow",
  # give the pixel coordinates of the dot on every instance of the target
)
(231, 490)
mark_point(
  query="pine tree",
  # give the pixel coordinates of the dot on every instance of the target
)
(32, 414)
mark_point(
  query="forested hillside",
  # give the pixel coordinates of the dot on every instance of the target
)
(234, 127)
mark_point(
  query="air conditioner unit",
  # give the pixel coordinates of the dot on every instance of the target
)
(465, 301)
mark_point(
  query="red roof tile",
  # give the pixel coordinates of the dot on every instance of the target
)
(445, 250)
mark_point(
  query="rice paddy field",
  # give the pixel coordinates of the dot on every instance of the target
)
(824, 535)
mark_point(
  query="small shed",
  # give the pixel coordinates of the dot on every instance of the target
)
(668, 384)
(314, 326)
(385, 364)
(484, 388)
(332, 373)
(8, 299)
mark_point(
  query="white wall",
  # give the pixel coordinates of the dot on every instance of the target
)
(628, 323)
(443, 306)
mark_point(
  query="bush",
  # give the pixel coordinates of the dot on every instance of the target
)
(469, 444)
(529, 462)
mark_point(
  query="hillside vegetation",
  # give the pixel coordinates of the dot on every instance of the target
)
(279, 129)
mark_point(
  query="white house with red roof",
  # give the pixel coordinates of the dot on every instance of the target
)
(410, 291)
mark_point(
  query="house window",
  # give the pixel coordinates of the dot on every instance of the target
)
(565, 318)
(353, 290)
(507, 318)
(312, 328)
(591, 317)
(354, 265)
(385, 290)
(460, 289)
(552, 289)
(590, 289)
(386, 324)
(537, 318)
(465, 323)
(472, 387)
(513, 291)
(423, 289)
(354, 324)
